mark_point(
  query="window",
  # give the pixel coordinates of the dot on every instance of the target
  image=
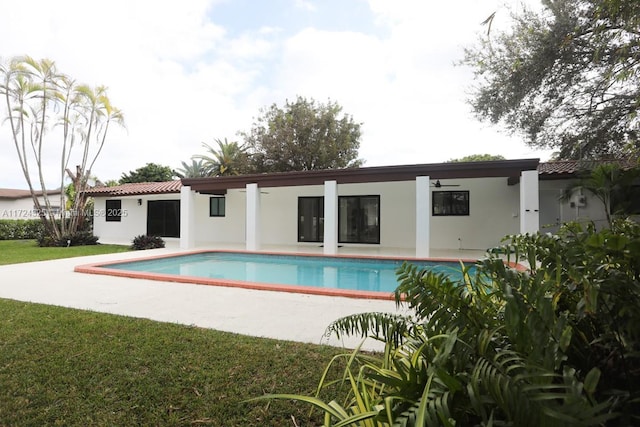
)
(450, 203)
(310, 219)
(163, 218)
(216, 206)
(359, 219)
(113, 210)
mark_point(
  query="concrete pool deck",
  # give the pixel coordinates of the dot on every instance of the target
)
(269, 314)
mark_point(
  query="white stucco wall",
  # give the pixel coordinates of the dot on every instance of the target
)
(132, 223)
(494, 208)
(227, 229)
(554, 211)
(23, 208)
(493, 214)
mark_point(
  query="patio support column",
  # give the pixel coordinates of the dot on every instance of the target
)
(529, 202)
(253, 218)
(330, 217)
(423, 216)
(187, 218)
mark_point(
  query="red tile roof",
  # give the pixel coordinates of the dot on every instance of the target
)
(136, 189)
(12, 193)
(570, 167)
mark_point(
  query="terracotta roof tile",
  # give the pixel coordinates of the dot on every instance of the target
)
(137, 189)
(569, 167)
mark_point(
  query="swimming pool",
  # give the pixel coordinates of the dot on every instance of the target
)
(362, 277)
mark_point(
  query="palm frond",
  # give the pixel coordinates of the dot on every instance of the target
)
(381, 326)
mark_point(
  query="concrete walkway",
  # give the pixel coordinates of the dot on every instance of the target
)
(280, 315)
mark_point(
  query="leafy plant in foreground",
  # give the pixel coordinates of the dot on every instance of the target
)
(554, 344)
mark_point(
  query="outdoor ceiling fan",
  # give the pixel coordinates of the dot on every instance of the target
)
(437, 184)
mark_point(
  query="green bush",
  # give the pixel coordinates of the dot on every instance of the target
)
(143, 242)
(80, 238)
(19, 229)
(557, 344)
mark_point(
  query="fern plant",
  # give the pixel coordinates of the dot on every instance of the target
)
(554, 345)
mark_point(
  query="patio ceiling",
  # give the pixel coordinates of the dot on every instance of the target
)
(488, 169)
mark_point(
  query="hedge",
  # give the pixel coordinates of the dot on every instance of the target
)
(15, 229)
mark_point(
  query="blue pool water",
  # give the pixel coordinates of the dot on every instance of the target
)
(377, 275)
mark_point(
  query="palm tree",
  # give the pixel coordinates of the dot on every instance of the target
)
(230, 158)
(197, 169)
(609, 183)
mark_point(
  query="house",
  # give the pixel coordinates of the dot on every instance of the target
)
(18, 204)
(415, 208)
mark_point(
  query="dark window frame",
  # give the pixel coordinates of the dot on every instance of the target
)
(319, 215)
(169, 208)
(113, 210)
(361, 229)
(215, 213)
(450, 206)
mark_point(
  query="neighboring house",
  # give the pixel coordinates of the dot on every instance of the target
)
(469, 205)
(18, 204)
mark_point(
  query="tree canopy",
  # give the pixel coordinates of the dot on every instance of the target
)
(303, 135)
(567, 77)
(151, 172)
(478, 158)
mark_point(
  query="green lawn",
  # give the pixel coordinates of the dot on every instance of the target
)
(17, 251)
(68, 367)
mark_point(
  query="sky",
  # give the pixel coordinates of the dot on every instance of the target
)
(186, 73)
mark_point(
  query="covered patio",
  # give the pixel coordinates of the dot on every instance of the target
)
(406, 192)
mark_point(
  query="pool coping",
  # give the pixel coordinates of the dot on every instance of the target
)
(98, 268)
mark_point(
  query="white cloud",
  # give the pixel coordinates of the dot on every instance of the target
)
(182, 79)
(403, 86)
(305, 4)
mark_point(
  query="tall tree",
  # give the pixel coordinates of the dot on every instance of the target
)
(567, 77)
(151, 172)
(303, 135)
(478, 158)
(229, 158)
(39, 98)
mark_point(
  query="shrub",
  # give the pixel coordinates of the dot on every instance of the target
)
(80, 238)
(143, 242)
(17, 229)
(557, 344)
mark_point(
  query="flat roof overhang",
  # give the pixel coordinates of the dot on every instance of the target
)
(485, 169)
